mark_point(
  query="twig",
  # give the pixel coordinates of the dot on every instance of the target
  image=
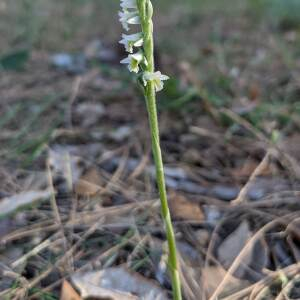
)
(57, 216)
(286, 289)
(242, 196)
(245, 251)
(288, 161)
(74, 93)
(50, 241)
(61, 260)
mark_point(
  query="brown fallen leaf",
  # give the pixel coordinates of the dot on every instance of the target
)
(89, 184)
(248, 167)
(93, 175)
(254, 91)
(68, 292)
(183, 209)
(85, 188)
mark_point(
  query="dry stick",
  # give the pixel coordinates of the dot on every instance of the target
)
(64, 258)
(290, 163)
(8, 272)
(209, 251)
(283, 294)
(87, 266)
(36, 228)
(248, 290)
(52, 241)
(74, 93)
(113, 181)
(290, 271)
(118, 173)
(245, 124)
(244, 252)
(137, 248)
(190, 284)
(242, 196)
(274, 200)
(81, 218)
(58, 220)
(209, 256)
(260, 291)
(140, 167)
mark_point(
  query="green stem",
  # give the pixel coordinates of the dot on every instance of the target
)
(153, 120)
(146, 11)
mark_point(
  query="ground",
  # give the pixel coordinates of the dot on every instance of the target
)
(73, 122)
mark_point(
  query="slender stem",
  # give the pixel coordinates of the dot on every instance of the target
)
(153, 120)
(150, 95)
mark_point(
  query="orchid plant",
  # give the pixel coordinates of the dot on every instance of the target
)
(140, 60)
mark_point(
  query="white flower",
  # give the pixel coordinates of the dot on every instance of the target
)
(132, 40)
(133, 61)
(129, 17)
(126, 4)
(157, 78)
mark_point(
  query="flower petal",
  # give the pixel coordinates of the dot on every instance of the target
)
(127, 4)
(157, 78)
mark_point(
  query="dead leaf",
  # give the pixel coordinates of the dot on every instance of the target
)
(92, 175)
(233, 245)
(68, 292)
(89, 184)
(117, 284)
(246, 169)
(254, 91)
(183, 209)
(10, 204)
(85, 188)
(213, 276)
(251, 264)
(249, 166)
